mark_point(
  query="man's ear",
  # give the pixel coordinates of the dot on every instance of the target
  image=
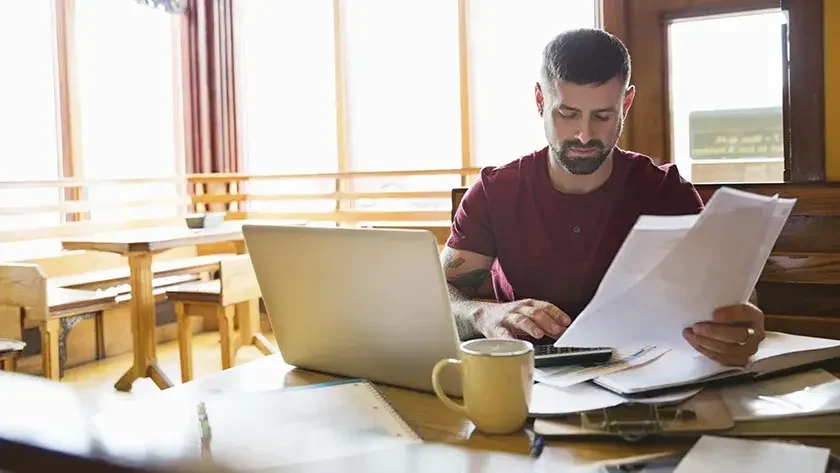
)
(628, 99)
(540, 99)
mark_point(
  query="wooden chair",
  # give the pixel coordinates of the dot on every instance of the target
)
(799, 288)
(234, 295)
(8, 360)
(26, 301)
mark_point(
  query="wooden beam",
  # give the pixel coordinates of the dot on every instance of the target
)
(464, 70)
(806, 90)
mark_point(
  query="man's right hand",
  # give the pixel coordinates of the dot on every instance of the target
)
(521, 319)
(469, 279)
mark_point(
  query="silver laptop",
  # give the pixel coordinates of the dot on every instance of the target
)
(366, 303)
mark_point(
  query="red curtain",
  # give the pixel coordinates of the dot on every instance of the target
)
(209, 93)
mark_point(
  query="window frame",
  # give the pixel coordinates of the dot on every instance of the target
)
(70, 152)
(643, 28)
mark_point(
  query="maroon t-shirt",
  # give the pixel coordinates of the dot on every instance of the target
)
(553, 246)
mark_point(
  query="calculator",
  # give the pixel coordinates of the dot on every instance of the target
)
(549, 355)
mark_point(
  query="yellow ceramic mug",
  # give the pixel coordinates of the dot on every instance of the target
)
(497, 376)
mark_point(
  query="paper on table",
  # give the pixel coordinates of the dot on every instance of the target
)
(7, 344)
(689, 272)
(568, 375)
(547, 400)
(751, 456)
(815, 392)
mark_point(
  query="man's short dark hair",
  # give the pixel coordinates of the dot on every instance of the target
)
(585, 56)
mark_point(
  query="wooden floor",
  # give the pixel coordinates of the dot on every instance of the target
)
(207, 358)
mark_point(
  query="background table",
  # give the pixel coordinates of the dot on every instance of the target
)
(140, 246)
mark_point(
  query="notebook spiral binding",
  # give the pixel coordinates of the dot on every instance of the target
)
(409, 432)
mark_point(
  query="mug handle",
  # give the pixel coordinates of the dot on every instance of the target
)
(447, 401)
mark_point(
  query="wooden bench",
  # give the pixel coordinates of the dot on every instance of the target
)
(233, 295)
(799, 288)
(26, 301)
(118, 276)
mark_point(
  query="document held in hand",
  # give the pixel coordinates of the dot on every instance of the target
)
(672, 272)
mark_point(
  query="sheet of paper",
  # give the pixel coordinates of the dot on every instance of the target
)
(815, 392)
(674, 368)
(686, 273)
(547, 400)
(654, 235)
(563, 376)
(752, 456)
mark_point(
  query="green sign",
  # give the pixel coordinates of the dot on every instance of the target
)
(730, 134)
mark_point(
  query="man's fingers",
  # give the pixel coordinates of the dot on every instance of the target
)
(724, 333)
(554, 312)
(738, 314)
(724, 359)
(727, 353)
(545, 321)
(524, 323)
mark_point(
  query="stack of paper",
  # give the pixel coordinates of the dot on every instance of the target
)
(676, 368)
(563, 376)
(672, 272)
(551, 401)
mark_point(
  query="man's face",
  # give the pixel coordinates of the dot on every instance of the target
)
(583, 122)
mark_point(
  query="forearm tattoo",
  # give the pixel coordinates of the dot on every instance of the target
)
(470, 282)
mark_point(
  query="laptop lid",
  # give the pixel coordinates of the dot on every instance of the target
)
(368, 303)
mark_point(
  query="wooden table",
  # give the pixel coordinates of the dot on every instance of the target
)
(451, 435)
(140, 246)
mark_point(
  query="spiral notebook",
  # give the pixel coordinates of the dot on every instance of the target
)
(300, 424)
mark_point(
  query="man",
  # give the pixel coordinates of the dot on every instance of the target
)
(538, 234)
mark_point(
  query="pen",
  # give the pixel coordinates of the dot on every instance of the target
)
(206, 433)
(537, 447)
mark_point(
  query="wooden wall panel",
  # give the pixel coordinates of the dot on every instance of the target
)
(812, 300)
(811, 199)
(802, 269)
(808, 326)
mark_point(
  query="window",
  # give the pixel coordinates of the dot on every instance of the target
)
(403, 94)
(29, 126)
(726, 97)
(401, 77)
(506, 43)
(287, 99)
(127, 66)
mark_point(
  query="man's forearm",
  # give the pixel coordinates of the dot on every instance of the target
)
(468, 312)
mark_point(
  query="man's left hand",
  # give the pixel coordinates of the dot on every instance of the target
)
(732, 336)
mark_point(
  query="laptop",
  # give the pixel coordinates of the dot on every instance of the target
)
(357, 302)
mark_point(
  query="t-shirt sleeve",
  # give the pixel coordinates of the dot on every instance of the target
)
(471, 228)
(673, 195)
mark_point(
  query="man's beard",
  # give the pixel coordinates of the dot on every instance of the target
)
(580, 165)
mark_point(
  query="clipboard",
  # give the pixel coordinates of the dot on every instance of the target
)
(702, 414)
